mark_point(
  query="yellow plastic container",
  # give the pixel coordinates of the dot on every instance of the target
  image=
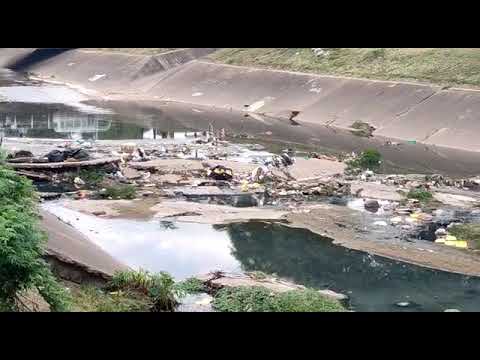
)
(458, 243)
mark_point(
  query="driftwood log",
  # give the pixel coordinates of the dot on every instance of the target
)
(65, 164)
(33, 175)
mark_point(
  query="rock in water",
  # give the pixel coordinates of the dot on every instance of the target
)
(55, 156)
(371, 205)
(22, 154)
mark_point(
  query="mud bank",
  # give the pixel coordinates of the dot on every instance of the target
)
(347, 229)
(406, 111)
(345, 226)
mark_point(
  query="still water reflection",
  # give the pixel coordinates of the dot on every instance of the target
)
(185, 249)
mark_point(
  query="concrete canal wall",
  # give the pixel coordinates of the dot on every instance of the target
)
(407, 111)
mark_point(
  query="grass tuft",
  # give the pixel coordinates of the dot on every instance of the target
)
(259, 299)
(420, 195)
(443, 66)
(117, 192)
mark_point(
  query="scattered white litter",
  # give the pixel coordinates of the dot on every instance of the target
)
(256, 105)
(316, 90)
(197, 94)
(97, 77)
(70, 64)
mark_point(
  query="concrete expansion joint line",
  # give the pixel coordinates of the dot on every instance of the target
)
(405, 112)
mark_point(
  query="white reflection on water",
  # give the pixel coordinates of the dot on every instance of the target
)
(188, 250)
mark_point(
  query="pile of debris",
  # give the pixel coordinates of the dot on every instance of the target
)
(429, 181)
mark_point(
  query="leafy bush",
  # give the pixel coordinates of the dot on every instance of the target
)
(420, 194)
(362, 129)
(191, 286)
(91, 177)
(467, 232)
(259, 299)
(368, 159)
(120, 192)
(21, 246)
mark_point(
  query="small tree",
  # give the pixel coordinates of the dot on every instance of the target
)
(368, 159)
(21, 246)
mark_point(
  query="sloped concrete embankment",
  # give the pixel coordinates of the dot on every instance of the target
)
(406, 111)
(9, 56)
(399, 110)
(112, 72)
(73, 257)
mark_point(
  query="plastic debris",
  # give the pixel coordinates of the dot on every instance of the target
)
(396, 220)
(220, 173)
(78, 181)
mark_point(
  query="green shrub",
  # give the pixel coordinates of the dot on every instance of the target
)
(467, 232)
(259, 299)
(420, 194)
(362, 129)
(132, 280)
(21, 246)
(191, 286)
(117, 192)
(368, 159)
(91, 177)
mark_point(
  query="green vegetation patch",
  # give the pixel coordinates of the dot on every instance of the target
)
(362, 129)
(443, 66)
(136, 51)
(259, 299)
(92, 299)
(467, 232)
(191, 286)
(91, 177)
(117, 192)
(160, 288)
(420, 195)
(21, 246)
(368, 159)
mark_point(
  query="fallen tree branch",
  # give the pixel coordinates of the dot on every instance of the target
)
(65, 164)
(33, 175)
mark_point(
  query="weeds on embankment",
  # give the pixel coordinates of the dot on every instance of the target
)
(442, 66)
(368, 159)
(259, 299)
(160, 288)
